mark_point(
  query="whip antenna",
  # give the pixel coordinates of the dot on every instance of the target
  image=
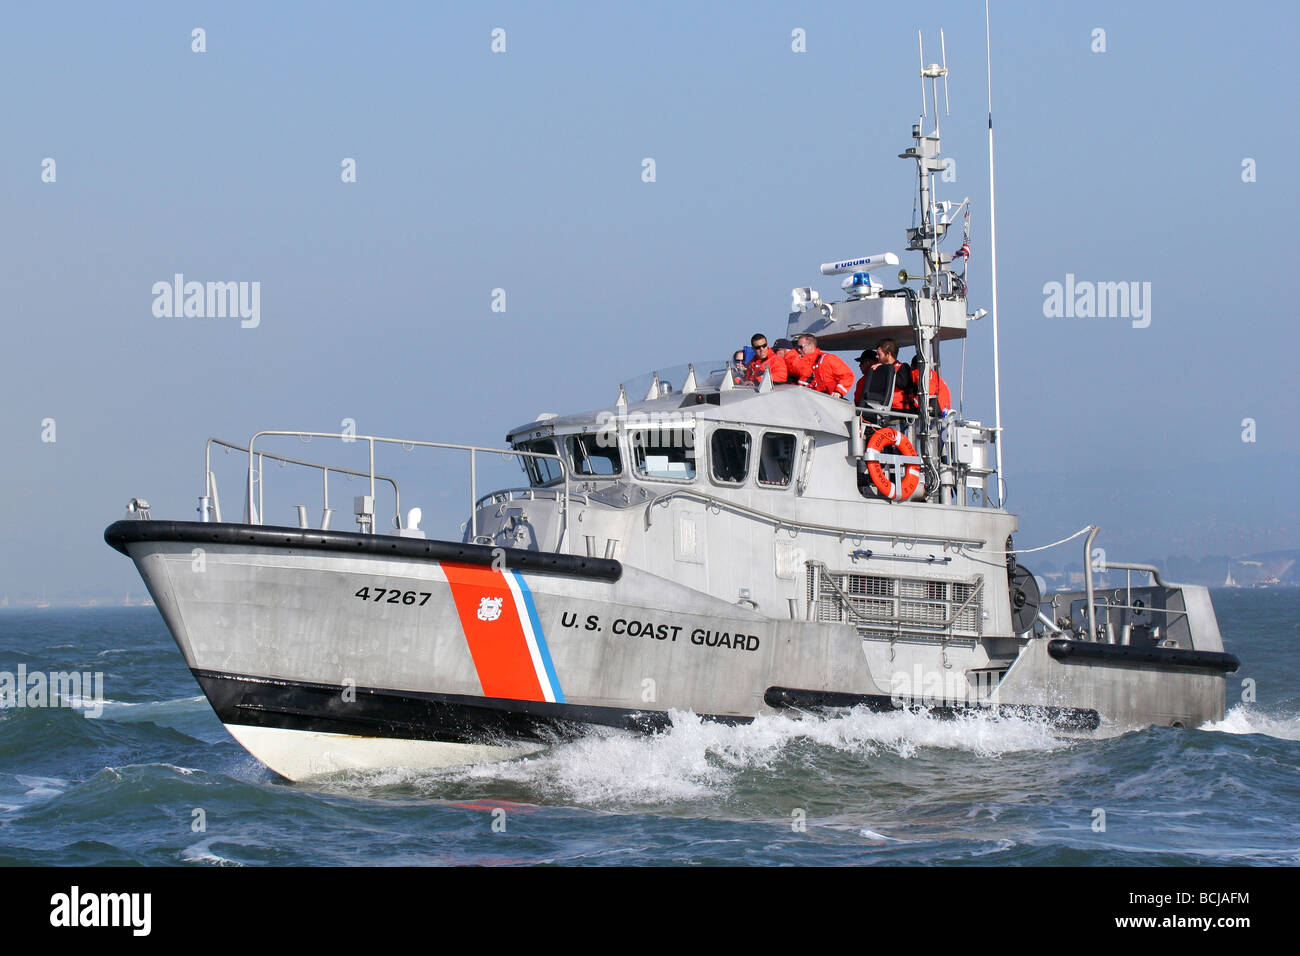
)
(943, 49)
(920, 49)
(993, 265)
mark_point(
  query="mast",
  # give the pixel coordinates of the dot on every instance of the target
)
(925, 238)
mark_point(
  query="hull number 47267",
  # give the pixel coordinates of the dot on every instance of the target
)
(395, 596)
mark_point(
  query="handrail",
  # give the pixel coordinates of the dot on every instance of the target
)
(413, 443)
(492, 496)
(1059, 599)
(973, 543)
(1157, 581)
(208, 477)
(1142, 609)
(1087, 577)
(1150, 568)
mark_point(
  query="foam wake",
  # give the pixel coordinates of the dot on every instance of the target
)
(696, 759)
(1250, 719)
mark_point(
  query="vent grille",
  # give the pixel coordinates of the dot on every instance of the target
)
(924, 590)
(875, 587)
(921, 609)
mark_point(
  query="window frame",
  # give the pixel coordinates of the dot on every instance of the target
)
(641, 475)
(749, 457)
(532, 464)
(571, 443)
(792, 477)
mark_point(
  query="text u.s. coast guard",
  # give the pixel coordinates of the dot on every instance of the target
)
(661, 631)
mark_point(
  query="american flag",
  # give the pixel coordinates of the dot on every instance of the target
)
(964, 252)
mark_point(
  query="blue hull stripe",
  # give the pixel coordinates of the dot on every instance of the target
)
(541, 637)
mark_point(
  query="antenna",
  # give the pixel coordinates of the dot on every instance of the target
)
(993, 266)
(920, 48)
(943, 48)
(932, 72)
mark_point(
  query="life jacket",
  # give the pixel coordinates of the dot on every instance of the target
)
(773, 363)
(825, 372)
(795, 366)
(938, 388)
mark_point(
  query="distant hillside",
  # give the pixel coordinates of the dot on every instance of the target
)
(1272, 568)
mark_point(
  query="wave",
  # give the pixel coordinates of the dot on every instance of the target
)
(141, 708)
(202, 852)
(28, 790)
(1249, 719)
(696, 759)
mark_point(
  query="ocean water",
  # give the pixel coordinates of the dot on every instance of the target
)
(156, 780)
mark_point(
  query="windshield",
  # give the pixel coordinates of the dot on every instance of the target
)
(594, 455)
(664, 453)
(707, 372)
(540, 471)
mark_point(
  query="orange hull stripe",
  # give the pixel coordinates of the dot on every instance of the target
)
(498, 647)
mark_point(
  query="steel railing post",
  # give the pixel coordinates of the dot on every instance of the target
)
(1087, 577)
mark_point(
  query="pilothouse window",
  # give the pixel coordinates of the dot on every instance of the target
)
(594, 455)
(729, 453)
(541, 471)
(664, 453)
(776, 463)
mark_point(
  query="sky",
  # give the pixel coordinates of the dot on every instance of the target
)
(1138, 143)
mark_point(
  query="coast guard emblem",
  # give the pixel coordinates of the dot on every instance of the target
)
(489, 609)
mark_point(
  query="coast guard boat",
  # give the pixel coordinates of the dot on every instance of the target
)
(723, 547)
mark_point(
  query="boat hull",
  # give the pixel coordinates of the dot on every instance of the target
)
(310, 661)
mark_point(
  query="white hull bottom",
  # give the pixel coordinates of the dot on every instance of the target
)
(304, 754)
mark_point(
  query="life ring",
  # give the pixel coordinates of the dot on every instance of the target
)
(882, 439)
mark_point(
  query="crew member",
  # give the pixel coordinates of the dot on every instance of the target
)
(764, 360)
(938, 388)
(866, 362)
(887, 354)
(738, 366)
(817, 369)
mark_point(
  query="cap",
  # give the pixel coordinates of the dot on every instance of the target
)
(783, 344)
(867, 353)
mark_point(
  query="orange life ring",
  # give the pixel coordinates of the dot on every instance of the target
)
(882, 439)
